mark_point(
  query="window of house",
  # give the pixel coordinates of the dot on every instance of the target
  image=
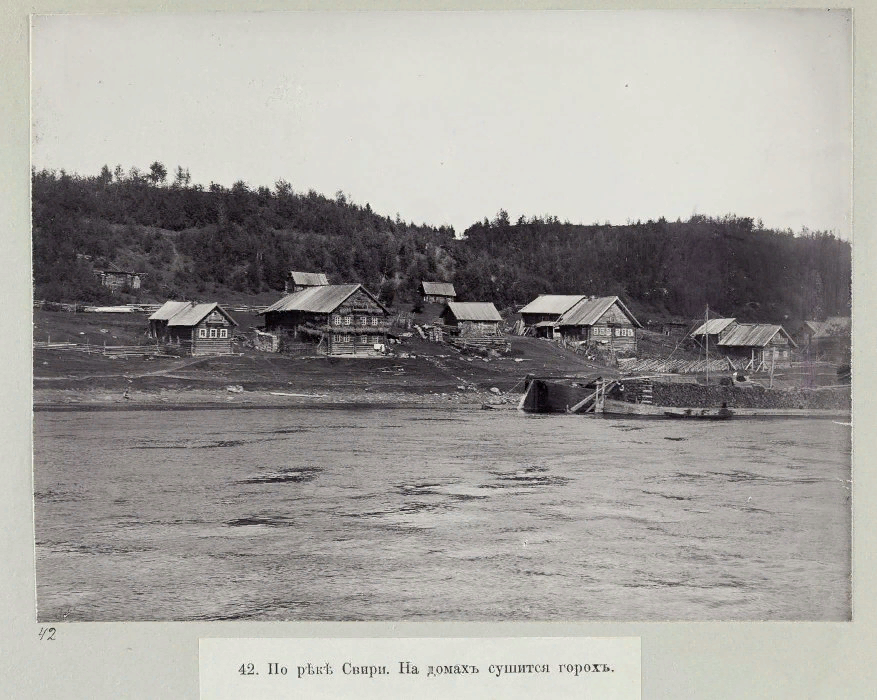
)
(348, 320)
(375, 320)
(213, 332)
(223, 332)
(202, 332)
(336, 320)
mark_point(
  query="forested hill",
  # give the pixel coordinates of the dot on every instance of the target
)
(213, 243)
(665, 268)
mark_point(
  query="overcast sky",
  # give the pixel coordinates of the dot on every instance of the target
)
(447, 117)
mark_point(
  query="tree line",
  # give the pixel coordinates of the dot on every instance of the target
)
(202, 242)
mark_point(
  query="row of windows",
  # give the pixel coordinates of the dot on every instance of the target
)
(344, 338)
(339, 320)
(619, 332)
(214, 332)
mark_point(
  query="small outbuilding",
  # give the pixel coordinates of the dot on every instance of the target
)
(759, 345)
(713, 330)
(197, 329)
(118, 280)
(296, 281)
(437, 292)
(830, 339)
(472, 318)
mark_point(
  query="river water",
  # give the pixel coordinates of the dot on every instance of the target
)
(438, 514)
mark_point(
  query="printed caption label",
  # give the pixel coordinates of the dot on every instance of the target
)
(511, 668)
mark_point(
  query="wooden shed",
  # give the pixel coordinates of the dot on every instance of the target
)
(472, 318)
(758, 345)
(713, 331)
(340, 319)
(604, 322)
(437, 292)
(119, 280)
(198, 329)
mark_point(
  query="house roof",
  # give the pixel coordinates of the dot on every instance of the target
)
(552, 303)
(310, 279)
(713, 326)
(195, 313)
(473, 311)
(588, 311)
(169, 309)
(442, 289)
(753, 335)
(833, 326)
(815, 327)
(320, 300)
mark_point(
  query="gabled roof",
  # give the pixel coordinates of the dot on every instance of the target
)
(552, 303)
(753, 335)
(473, 311)
(169, 309)
(309, 279)
(713, 326)
(442, 289)
(588, 311)
(195, 313)
(833, 327)
(815, 327)
(320, 300)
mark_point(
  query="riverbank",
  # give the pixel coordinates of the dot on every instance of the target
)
(190, 399)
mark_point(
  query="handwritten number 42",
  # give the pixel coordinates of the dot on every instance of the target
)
(47, 634)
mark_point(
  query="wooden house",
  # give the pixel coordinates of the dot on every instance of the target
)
(542, 313)
(472, 318)
(758, 345)
(296, 281)
(605, 322)
(437, 292)
(197, 329)
(713, 331)
(340, 319)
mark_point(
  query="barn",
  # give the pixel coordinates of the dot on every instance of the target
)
(197, 329)
(542, 313)
(758, 345)
(604, 322)
(437, 292)
(296, 281)
(341, 319)
(472, 318)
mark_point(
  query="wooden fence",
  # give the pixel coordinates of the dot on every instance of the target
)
(659, 366)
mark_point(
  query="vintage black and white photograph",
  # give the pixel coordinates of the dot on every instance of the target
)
(442, 316)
